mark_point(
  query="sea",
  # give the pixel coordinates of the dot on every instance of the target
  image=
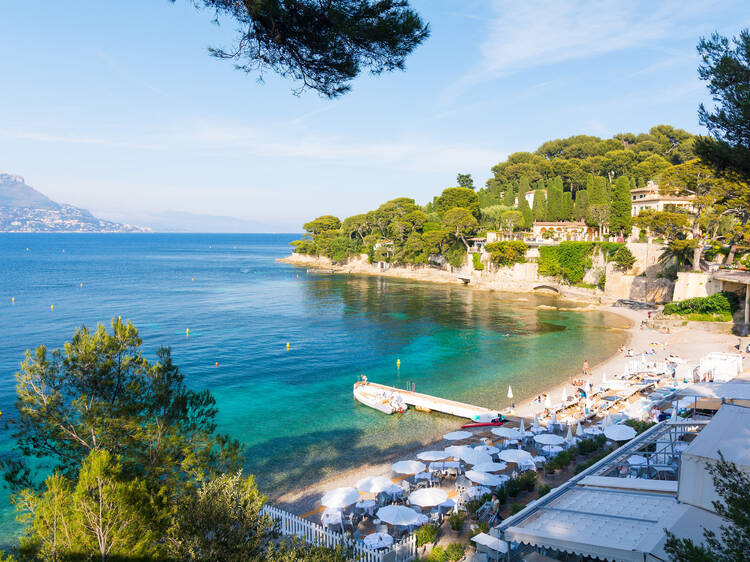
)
(228, 309)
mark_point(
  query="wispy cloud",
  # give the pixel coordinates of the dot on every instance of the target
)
(535, 33)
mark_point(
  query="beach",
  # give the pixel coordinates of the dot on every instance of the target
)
(687, 343)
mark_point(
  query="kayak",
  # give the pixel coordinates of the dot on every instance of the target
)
(483, 424)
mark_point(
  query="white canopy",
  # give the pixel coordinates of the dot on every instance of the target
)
(340, 497)
(515, 455)
(408, 467)
(549, 439)
(477, 457)
(457, 435)
(619, 432)
(398, 515)
(374, 484)
(483, 478)
(490, 466)
(433, 455)
(522, 427)
(510, 392)
(507, 432)
(579, 429)
(490, 542)
(427, 497)
(569, 435)
(487, 449)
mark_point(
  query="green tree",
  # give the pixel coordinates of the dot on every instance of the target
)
(509, 197)
(460, 223)
(436, 241)
(99, 393)
(733, 543)
(567, 206)
(322, 224)
(598, 215)
(539, 210)
(665, 224)
(581, 205)
(680, 251)
(321, 45)
(511, 220)
(726, 68)
(356, 226)
(624, 258)
(465, 180)
(458, 197)
(621, 207)
(492, 215)
(555, 200)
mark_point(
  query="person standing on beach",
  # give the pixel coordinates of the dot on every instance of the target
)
(585, 367)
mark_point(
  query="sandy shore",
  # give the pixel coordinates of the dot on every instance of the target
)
(689, 344)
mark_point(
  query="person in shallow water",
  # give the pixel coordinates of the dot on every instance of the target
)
(585, 367)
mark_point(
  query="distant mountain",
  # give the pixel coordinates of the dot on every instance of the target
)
(24, 209)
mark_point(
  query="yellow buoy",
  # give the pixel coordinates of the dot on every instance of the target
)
(287, 345)
(398, 363)
(13, 300)
(52, 307)
(27, 249)
(187, 332)
(192, 278)
(81, 285)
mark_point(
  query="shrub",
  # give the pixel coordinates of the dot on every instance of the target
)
(624, 258)
(568, 260)
(528, 481)
(472, 506)
(515, 507)
(427, 534)
(305, 247)
(437, 554)
(481, 527)
(639, 425)
(543, 489)
(513, 487)
(507, 252)
(591, 462)
(455, 551)
(477, 261)
(456, 520)
(720, 305)
(602, 283)
(502, 495)
(609, 249)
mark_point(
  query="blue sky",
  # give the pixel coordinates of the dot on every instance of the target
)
(116, 106)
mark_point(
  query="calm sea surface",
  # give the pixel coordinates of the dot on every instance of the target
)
(292, 409)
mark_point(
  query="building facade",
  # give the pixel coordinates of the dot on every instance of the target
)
(650, 198)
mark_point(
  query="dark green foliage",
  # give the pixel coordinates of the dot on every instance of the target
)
(723, 303)
(437, 554)
(513, 487)
(609, 249)
(543, 489)
(476, 260)
(733, 542)
(456, 520)
(539, 209)
(580, 467)
(322, 224)
(639, 425)
(568, 260)
(528, 480)
(507, 252)
(620, 213)
(304, 247)
(427, 534)
(581, 205)
(457, 197)
(321, 45)
(465, 180)
(455, 551)
(515, 507)
(455, 253)
(624, 258)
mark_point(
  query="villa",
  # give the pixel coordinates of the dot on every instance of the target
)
(649, 197)
(578, 231)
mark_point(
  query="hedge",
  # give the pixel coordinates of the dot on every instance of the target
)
(507, 252)
(724, 304)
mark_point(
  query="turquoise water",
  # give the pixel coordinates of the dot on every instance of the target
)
(293, 409)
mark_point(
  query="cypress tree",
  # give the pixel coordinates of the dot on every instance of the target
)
(581, 204)
(620, 208)
(509, 197)
(567, 206)
(523, 204)
(540, 206)
(555, 200)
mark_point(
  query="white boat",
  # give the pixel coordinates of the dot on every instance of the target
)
(383, 401)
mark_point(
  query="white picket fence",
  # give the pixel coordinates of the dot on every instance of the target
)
(312, 533)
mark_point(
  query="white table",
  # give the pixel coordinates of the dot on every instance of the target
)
(476, 492)
(331, 518)
(368, 506)
(423, 476)
(378, 540)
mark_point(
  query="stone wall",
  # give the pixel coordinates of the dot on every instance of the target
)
(637, 287)
(692, 284)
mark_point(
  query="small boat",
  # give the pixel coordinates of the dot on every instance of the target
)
(483, 424)
(386, 402)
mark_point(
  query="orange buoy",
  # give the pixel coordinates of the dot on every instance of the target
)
(217, 363)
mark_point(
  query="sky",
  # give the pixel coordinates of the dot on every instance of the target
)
(118, 108)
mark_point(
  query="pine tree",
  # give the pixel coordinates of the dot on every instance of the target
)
(620, 207)
(540, 206)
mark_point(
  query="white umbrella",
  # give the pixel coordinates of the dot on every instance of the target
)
(564, 395)
(473, 492)
(607, 421)
(510, 392)
(378, 540)
(476, 457)
(549, 439)
(397, 515)
(483, 478)
(548, 402)
(457, 435)
(515, 455)
(507, 432)
(554, 419)
(490, 542)
(637, 460)
(340, 497)
(427, 497)
(522, 427)
(433, 455)
(408, 467)
(374, 484)
(487, 449)
(579, 429)
(593, 430)
(490, 466)
(619, 432)
(458, 451)
(569, 435)
(393, 490)
(535, 425)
